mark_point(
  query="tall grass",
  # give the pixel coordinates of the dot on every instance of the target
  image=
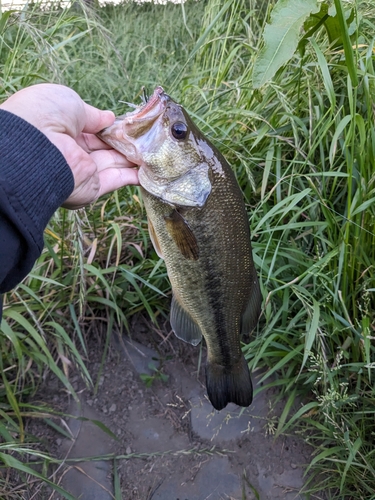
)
(302, 147)
(307, 138)
(98, 268)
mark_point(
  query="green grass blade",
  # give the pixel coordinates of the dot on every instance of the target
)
(348, 49)
(12, 462)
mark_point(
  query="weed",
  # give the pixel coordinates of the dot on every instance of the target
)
(156, 374)
(302, 146)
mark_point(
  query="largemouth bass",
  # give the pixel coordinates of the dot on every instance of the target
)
(198, 224)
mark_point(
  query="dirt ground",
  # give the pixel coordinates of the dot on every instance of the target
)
(168, 442)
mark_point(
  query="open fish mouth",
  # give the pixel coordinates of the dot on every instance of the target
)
(158, 95)
(124, 133)
(147, 113)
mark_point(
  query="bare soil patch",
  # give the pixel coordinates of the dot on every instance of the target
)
(167, 442)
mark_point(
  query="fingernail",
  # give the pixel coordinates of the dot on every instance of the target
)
(109, 116)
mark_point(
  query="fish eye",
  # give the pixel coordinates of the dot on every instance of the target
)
(179, 130)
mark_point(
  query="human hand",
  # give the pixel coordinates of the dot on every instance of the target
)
(71, 124)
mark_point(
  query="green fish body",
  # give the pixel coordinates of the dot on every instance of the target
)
(198, 224)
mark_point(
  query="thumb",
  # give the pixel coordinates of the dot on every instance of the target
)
(96, 119)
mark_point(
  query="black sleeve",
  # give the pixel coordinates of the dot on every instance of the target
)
(34, 181)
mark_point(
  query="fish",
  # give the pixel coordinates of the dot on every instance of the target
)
(199, 225)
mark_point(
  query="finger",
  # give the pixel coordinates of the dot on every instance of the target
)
(98, 173)
(105, 159)
(114, 171)
(115, 178)
(90, 143)
(96, 119)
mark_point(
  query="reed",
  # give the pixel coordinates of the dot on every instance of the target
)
(302, 146)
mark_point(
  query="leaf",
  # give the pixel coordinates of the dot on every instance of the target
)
(336, 136)
(99, 424)
(283, 362)
(291, 400)
(302, 412)
(12, 336)
(70, 344)
(116, 481)
(364, 206)
(332, 24)
(311, 334)
(348, 49)
(266, 171)
(207, 31)
(12, 400)
(4, 19)
(353, 451)
(58, 46)
(281, 37)
(12, 462)
(283, 208)
(327, 79)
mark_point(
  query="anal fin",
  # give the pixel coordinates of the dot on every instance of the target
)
(183, 325)
(251, 314)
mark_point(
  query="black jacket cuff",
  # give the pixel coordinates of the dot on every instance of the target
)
(33, 172)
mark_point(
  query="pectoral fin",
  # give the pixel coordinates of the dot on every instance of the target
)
(182, 235)
(183, 325)
(154, 238)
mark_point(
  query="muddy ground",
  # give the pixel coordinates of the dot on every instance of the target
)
(168, 441)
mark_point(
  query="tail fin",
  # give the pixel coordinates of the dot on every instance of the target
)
(229, 384)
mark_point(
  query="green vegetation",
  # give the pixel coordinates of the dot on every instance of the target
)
(302, 145)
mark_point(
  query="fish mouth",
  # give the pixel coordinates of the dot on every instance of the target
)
(141, 119)
(158, 97)
(132, 133)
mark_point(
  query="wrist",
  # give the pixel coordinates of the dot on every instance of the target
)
(33, 172)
